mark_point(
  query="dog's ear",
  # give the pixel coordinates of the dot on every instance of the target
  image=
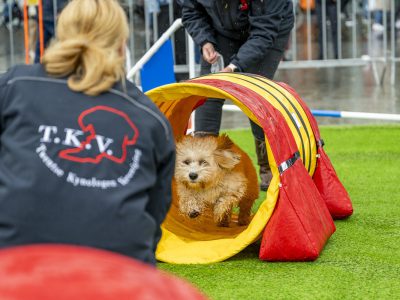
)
(224, 142)
(224, 155)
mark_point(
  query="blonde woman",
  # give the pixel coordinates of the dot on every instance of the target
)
(85, 157)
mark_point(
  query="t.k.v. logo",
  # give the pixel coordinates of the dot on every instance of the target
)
(116, 120)
(105, 134)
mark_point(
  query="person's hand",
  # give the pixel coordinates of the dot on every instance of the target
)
(227, 69)
(209, 53)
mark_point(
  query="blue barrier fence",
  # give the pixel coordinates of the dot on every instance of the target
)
(338, 114)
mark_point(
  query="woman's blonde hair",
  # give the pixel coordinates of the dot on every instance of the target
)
(89, 45)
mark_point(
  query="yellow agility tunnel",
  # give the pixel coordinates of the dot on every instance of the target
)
(293, 221)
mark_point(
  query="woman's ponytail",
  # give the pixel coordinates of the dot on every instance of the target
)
(89, 46)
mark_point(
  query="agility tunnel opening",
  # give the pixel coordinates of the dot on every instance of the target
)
(295, 219)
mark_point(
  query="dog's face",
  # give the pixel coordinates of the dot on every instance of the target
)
(201, 160)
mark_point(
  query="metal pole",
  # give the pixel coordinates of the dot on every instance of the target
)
(128, 61)
(54, 15)
(11, 34)
(155, 26)
(171, 12)
(309, 47)
(373, 61)
(354, 34)
(294, 33)
(192, 74)
(146, 24)
(393, 42)
(385, 41)
(192, 61)
(171, 20)
(339, 28)
(41, 28)
(26, 32)
(369, 31)
(375, 72)
(131, 31)
(324, 41)
(385, 25)
(187, 48)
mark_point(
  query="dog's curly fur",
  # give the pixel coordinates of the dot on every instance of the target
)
(214, 173)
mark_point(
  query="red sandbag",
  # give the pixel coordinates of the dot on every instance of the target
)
(331, 189)
(301, 223)
(325, 178)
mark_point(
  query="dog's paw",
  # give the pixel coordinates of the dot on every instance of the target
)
(194, 214)
(223, 223)
(243, 221)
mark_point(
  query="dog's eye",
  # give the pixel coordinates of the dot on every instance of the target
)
(202, 162)
(186, 161)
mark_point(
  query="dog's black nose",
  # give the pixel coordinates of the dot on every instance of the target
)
(194, 214)
(193, 175)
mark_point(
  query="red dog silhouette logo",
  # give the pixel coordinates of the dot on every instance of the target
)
(103, 119)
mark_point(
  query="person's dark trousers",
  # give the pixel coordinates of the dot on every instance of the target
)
(208, 116)
(331, 15)
(163, 19)
(48, 33)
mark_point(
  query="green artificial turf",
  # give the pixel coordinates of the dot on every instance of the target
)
(362, 258)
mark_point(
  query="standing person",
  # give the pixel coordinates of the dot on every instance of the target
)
(251, 36)
(80, 156)
(343, 8)
(16, 14)
(379, 8)
(331, 15)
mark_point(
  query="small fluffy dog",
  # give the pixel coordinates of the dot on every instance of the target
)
(212, 172)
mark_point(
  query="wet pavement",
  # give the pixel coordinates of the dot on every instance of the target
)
(341, 89)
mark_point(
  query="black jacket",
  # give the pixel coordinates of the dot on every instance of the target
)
(82, 170)
(257, 27)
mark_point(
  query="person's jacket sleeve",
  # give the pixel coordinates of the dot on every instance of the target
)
(160, 195)
(197, 23)
(265, 20)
